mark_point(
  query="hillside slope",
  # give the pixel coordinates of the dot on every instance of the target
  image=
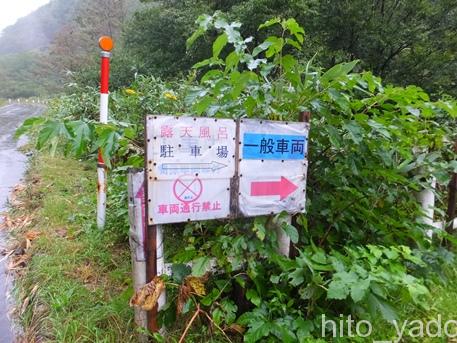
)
(40, 52)
(38, 29)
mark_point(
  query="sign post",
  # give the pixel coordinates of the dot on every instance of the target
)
(106, 44)
(136, 238)
(272, 170)
(209, 168)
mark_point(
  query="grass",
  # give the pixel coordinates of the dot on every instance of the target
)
(77, 283)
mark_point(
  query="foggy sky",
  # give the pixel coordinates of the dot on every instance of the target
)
(10, 11)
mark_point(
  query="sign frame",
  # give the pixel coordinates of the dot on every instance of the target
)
(187, 179)
(272, 167)
(198, 186)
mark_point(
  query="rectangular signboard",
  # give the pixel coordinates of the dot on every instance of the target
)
(190, 162)
(187, 145)
(272, 167)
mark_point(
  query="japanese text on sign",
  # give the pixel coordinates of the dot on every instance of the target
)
(273, 147)
(192, 164)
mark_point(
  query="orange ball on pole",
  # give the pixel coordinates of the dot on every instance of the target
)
(106, 43)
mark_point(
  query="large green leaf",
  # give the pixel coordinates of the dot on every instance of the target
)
(291, 231)
(200, 266)
(81, 136)
(28, 125)
(337, 71)
(51, 133)
(376, 304)
(219, 44)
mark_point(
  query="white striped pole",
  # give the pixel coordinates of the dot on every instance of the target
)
(106, 44)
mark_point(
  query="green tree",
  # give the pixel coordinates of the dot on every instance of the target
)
(405, 42)
(157, 37)
(360, 249)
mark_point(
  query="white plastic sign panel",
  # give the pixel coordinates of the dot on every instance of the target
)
(272, 167)
(190, 164)
(189, 198)
(187, 145)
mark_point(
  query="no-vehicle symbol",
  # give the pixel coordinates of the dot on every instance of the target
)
(187, 190)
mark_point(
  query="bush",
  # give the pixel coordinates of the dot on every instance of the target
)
(361, 248)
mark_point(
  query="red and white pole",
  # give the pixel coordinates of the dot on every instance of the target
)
(106, 44)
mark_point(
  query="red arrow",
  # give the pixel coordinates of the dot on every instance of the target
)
(282, 188)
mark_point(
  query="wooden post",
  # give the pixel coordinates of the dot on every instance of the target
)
(451, 201)
(160, 262)
(136, 238)
(151, 236)
(138, 246)
(151, 271)
(426, 197)
(283, 239)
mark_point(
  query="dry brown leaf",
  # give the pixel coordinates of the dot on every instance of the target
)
(22, 222)
(86, 273)
(17, 204)
(16, 223)
(8, 222)
(197, 284)
(32, 235)
(28, 299)
(191, 284)
(62, 233)
(184, 294)
(18, 262)
(146, 297)
(3, 218)
(237, 328)
(34, 290)
(24, 305)
(19, 188)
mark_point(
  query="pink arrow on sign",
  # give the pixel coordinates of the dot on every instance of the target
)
(282, 188)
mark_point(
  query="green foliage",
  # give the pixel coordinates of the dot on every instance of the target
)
(371, 148)
(26, 74)
(361, 248)
(405, 42)
(72, 121)
(79, 276)
(58, 43)
(165, 54)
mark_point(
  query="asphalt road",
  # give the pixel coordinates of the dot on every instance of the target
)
(12, 166)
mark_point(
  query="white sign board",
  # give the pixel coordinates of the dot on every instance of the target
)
(190, 162)
(272, 167)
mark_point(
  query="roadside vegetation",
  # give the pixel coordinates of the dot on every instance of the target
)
(404, 42)
(361, 249)
(72, 281)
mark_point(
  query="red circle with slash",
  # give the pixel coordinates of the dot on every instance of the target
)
(187, 190)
